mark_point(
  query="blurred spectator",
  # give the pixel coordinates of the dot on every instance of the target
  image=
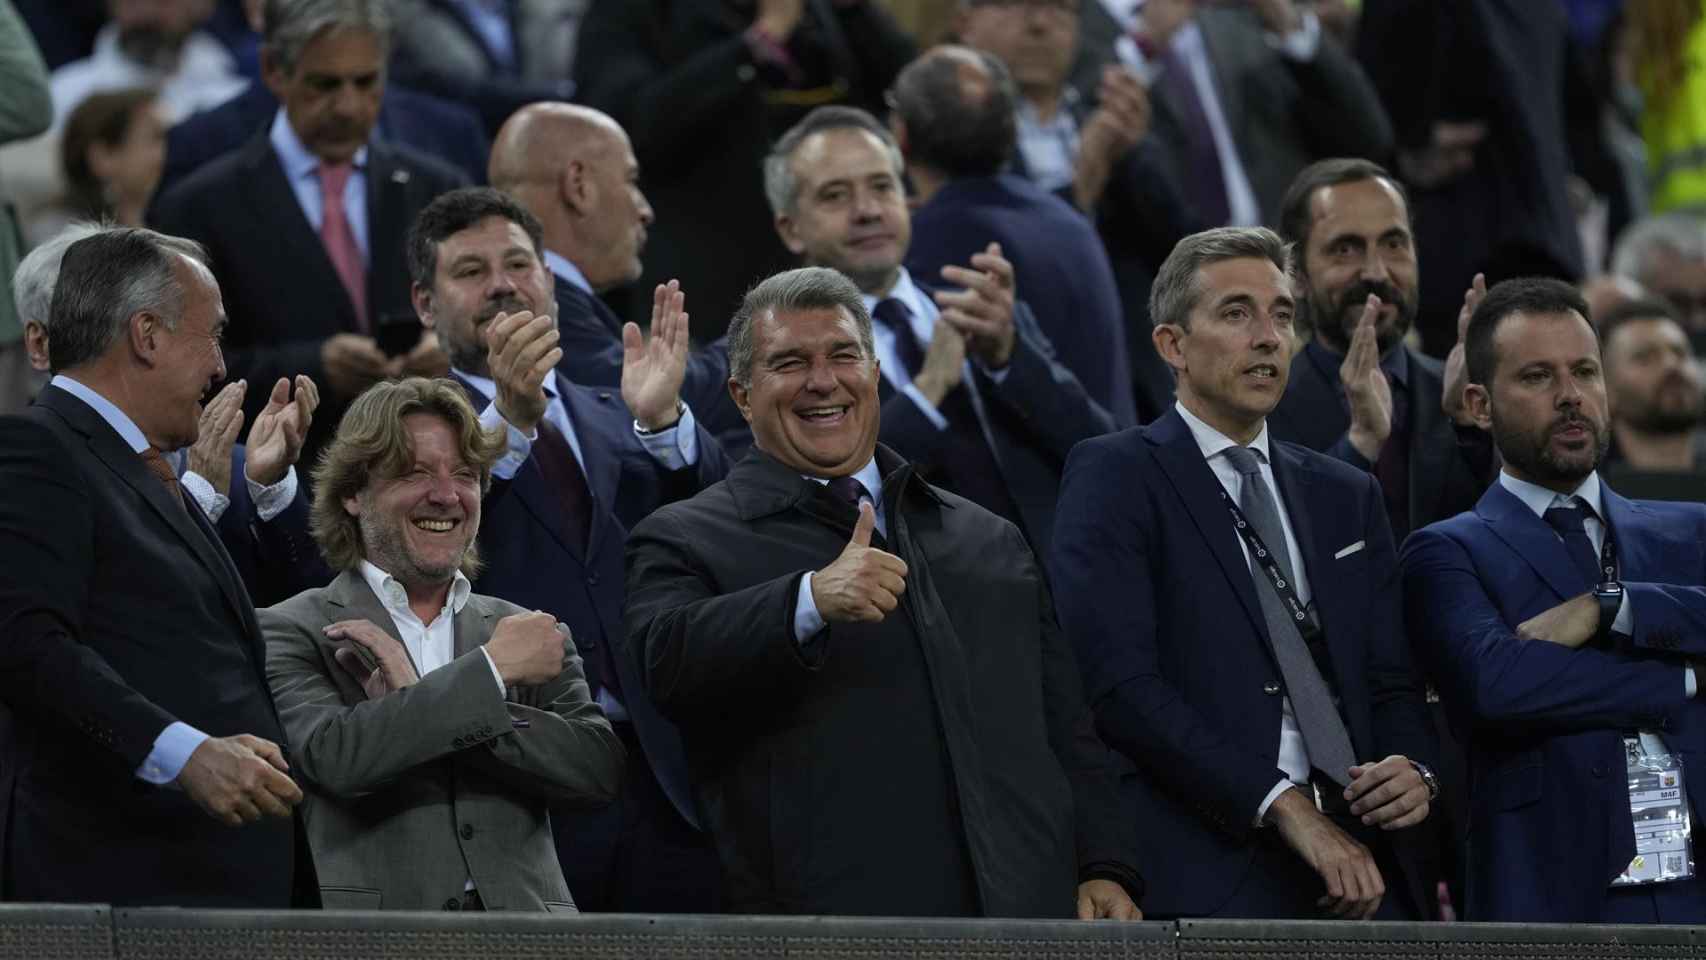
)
(333, 206)
(928, 22)
(704, 87)
(1245, 95)
(112, 150)
(1669, 40)
(493, 55)
(439, 128)
(26, 109)
(1654, 385)
(1495, 113)
(153, 43)
(954, 121)
(972, 395)
(573, 168)
(1666, 255)
(1609, 291)
(1096, 156)
(64, 29)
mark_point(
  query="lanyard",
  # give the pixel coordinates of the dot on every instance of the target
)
(1265, 560)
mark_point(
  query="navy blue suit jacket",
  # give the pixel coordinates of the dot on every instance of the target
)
(592, 356)
(1033, 416)
(1154, 591)
(1549, 814)
(276, 558)
(1059, 268)
(529, 563)
(438, 128)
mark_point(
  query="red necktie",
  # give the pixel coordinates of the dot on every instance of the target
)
(339, 240)
(156, 463)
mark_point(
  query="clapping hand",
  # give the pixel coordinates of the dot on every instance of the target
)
(221, 422)
(1366, 387)
(275, 443)
(653, 368)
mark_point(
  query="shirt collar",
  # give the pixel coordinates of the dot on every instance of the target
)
(567, 271)
(489, 387)
(1395, 363)
(906, 292)
(1212, 442)
(868, 475)
(395, 597)
(109, 411)
(1540, 499)
(298, 161)
(1064, 111)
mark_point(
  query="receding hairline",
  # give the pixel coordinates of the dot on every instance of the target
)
(820, 136)
(1387, 184)
(1502, 325)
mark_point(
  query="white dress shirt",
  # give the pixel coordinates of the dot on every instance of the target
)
(206, 76)
(269, 501)
(430, 645)
(924, 312)
(1293, 754)
(807, 621)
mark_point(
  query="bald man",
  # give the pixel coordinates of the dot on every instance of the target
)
(574, 169)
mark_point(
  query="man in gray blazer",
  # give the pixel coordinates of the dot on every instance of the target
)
(430, 726)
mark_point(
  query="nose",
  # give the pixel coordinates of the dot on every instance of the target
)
(443, 490)
(866, 208)
(820, 378)
(1374, 266)
(218, 362)
(1569, 392)
(645, 209)
(1268, 332)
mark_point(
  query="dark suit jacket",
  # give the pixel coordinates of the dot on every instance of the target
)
(1449, 467)
(437, 128)
(940, 762)
(1549, 811)
(1033, 416)
(1158, 600)
(528, 563)
(122, 614)
(1059, 267)
(280, 289)
(592, 356)
(277, 558)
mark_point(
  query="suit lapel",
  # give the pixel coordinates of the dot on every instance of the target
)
(1530, 538)
(1182, 460)
(272, 201)
(601, 463)
(529, 488)
(387, 187)
(473, 625)
(1623, 518)
(348, 597)
(1304, 498)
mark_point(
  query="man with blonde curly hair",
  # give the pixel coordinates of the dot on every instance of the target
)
(414, 704)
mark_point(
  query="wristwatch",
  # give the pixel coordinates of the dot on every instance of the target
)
(1428, 779)
(1609, 596)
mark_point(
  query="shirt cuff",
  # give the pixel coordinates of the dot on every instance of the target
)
(517, 445)
(808, 623)
(271, 501)
(1268, 801)
(1303, 43)
(674, 446)
(1690, 683)
(172, 749)
(1129, 54)
(503, 691)
(1624, 622)
(925, 406)
(211, 501)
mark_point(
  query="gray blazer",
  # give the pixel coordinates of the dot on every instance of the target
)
(408, 796)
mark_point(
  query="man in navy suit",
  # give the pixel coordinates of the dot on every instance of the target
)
(954, 122)
(573, 168)
(1565, 659)
(584, 465)
(972, 394)
(1234, 603)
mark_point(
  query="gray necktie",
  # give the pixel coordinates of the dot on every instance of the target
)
(1324, 733)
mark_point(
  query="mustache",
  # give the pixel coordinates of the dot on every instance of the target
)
(1357, 294)
(1572, 418)
(505, 304)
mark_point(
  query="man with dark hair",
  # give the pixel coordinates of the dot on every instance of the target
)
(142, 730)
(1654, 385)
(432, 723)
(880, 712)
(330, 200)
(584, 465)
(1562, 621)
(953, 122)
(1234, 603)
(972, 394)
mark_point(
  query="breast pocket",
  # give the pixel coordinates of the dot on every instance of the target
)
(349, 898)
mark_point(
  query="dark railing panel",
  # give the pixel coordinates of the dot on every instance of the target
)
(30, 931)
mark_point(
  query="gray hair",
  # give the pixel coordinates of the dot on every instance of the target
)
(107, 278)
(1178, 286)
(808, 288)
(1683, 235)
(781, 187)
(290, 25)
(38, 273)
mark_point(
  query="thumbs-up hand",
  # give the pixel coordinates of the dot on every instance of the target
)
(863, 583)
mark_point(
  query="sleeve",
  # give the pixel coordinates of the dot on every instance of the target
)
(1338, 108)
(272, 500)
(1044, 395)
(1402, 724)
(26, 106)
(1102, 549)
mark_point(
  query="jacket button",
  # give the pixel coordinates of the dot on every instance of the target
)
(592, 579)
(453, 904)
(467, 831)
(1271, 688)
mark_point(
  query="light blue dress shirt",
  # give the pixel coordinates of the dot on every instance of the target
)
(807, 621)
(302, 171)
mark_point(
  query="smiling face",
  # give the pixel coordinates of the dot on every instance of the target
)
(1545, 404)
(1234, 357)
(487, 269)
(849, 211)
(418, 526)
(812, 402)
(1360, 243)
(189, 360)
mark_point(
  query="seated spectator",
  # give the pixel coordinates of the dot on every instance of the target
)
(158, 44)
(333, 205)
(954, 123)
(1654, 385)
(25, 111)
(111, 152)
(704, 87)
(1096, 155)
(495, 56)
(573, 168)
(430, 725)
(1666, 255)
(1608, 291)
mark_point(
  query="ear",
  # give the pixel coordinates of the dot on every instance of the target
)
(790, 236)
(100, 158)
(145, 332)
(1169, 343)
(352, 506)
(577, 188)
(421, 297)
(741, 395)
(897, 126)
(1479, 402)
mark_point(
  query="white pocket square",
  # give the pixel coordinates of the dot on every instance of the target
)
(1353, 548)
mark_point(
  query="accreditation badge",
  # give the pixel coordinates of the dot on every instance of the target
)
(1658, 804)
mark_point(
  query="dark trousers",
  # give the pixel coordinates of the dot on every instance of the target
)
(637, 855)
(1682, 901)
(1280, 886)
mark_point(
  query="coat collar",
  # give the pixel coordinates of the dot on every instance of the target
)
(350, 598)
(762, 486)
